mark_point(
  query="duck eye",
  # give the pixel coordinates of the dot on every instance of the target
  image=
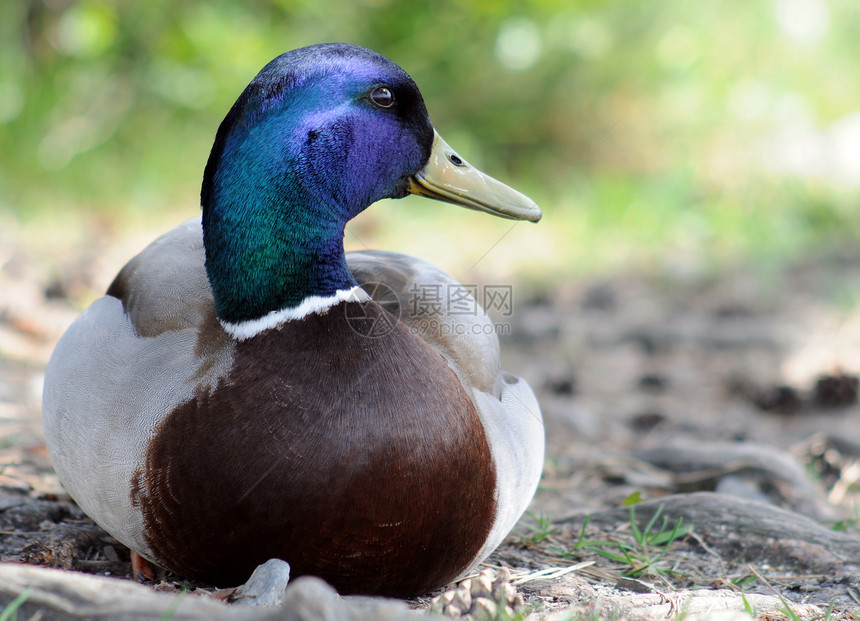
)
(382, 97)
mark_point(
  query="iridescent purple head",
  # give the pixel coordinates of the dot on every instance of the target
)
(317, 136)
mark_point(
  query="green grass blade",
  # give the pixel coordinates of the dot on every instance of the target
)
(579, 541)
(672, 536)
(13, 606)
(751, 611)
(598, 543)
(637, 534)
(612, 557)
(787, 610)
(653, 520)
(174, 606)
(669, 536)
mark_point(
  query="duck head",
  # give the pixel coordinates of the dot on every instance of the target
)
(318, 135)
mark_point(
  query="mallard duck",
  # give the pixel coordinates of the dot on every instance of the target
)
(239, 395)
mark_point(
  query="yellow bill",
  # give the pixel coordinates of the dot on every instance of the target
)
(448, 177)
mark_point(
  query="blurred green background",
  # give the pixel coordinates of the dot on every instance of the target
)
(668, 135)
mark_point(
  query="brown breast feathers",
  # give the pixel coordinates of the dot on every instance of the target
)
(355, 456)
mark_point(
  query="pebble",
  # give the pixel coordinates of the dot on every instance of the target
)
(266, 586)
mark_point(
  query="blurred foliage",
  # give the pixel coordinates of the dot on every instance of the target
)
(686, 132)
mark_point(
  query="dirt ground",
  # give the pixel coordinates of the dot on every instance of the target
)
(743, 384)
